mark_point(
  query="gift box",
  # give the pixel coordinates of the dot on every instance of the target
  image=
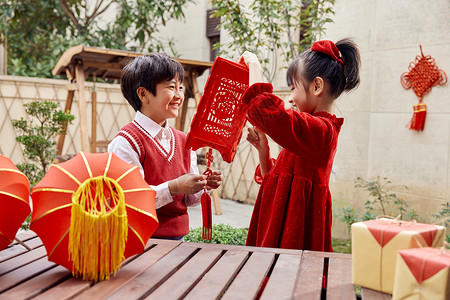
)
(422, 273)
(375, 244)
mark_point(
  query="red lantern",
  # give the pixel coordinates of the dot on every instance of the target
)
(220, 115)
(93, 211)
(14, 200)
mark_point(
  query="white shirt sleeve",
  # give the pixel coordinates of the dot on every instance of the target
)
(193, 199)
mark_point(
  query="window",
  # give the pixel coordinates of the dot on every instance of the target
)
(212, 33)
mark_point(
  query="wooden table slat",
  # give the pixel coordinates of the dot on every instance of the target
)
(369, 294)
(281, 283)
(24, 236)
(129, 271)
(339, 283)
(37, 284)
(213, 284)
(249, 280)
(152, 277)
(180, 283)
(25, 272)
(309, 282)
(20, 260)
(65, 290)
(17, 249)
(326, 254)
(250, 249)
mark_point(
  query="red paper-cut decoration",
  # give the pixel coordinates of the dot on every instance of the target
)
(422, 75)
(220, 115)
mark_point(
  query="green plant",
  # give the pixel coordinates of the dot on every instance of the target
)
(38, 32)
(341, 246)
(348, 215)
(444, 214)
(37, 136)
(222, 234)
(271, 28)
(383, 202)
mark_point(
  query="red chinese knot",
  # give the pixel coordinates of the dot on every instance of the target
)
(422, 75)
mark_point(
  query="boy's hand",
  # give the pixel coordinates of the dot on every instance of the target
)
(258, 139)
(214, 180)
(187, 184)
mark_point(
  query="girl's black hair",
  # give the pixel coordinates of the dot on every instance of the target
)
(311, 64)
(147, 71)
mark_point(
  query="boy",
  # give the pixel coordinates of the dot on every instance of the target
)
(152, 84)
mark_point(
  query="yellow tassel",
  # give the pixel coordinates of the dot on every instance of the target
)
(98, 229)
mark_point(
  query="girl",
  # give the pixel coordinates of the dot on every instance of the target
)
(293, 207)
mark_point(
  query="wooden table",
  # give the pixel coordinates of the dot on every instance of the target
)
(174, 270)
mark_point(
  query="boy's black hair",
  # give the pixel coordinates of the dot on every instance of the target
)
(311, 64)
(147, 71)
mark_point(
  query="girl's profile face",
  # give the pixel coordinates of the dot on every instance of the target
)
(300, 98)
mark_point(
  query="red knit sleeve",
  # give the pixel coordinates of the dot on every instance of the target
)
(298, 133)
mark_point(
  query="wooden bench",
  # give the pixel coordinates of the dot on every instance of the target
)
(176, 270)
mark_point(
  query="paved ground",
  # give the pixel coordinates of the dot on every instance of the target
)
(233, 213)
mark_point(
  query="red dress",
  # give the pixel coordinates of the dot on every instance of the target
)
(293, 207)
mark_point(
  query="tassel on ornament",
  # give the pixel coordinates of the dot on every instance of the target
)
(205, 201)
(98, 230)
(206, 216)
(418, 118)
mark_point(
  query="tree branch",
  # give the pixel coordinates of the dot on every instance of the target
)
(68, 13)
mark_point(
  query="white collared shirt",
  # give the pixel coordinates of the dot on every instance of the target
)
(122, 148)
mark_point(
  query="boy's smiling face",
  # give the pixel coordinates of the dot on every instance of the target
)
(165, 104)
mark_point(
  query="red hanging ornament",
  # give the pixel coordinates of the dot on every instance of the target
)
(205, 202)
(219, 121)
(422, 75)
(220, 115)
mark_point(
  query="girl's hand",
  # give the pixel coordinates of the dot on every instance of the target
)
(214, 180)
(258, 139)
(254, 67)
(248, 58)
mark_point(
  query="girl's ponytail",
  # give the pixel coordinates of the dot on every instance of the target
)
(338, 64)
(350, 55)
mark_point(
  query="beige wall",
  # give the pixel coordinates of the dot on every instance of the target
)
(375, 140)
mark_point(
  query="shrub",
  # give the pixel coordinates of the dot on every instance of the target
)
(222, 234)
(348, 215)
(37, 135)
(381, 201)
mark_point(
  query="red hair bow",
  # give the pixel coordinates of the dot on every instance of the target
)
(328, 48)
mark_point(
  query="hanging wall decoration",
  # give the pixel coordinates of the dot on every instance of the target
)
(219, 120)
(422, 75)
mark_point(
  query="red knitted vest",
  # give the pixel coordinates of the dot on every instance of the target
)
(161, 166)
